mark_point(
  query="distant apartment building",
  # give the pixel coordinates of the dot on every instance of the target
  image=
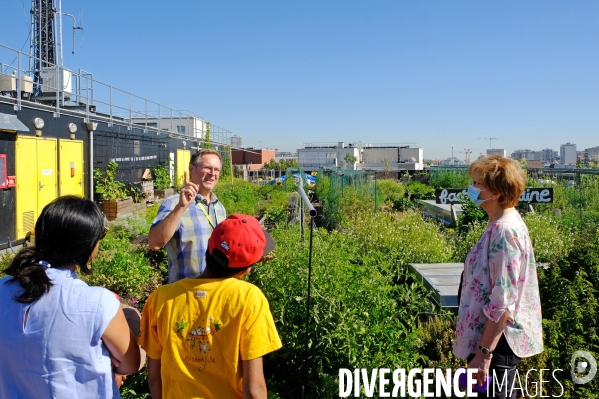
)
(359, 156)
(529, 155)
(592, 154)
(549, 156)
(567, 154)
(288, 156)
(254, 158)
(497, 151)
(236, 141)
(451, 162)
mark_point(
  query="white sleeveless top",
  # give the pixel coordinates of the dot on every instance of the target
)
(59, 353)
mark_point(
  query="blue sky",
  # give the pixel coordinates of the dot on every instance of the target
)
(283, 73)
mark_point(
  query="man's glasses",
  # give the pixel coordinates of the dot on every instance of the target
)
(208, 169)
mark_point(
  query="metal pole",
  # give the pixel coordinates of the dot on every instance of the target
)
(307, 374)
(375, 191)
(580, 194)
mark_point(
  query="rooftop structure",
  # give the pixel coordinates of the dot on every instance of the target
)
(361, 156)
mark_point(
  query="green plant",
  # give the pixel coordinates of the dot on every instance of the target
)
(437, 335)
(359, 318)
(570, 304)
(467, 239)
(129, 226)
(391, 191)
(451, 177)
(349, 160)
(162, 176)
(226, 161)
(137, 194)
(550, 240)
(107, 186)
(420, 190)
(275, 215)
(207, 140)
(471, 214)
(122, 268)
(5, 261)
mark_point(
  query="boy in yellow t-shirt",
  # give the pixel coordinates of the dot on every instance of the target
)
(205, 337)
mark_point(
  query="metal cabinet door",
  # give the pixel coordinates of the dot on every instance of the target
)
(183, 157)
(71, 167)
(47, 173)
(26, 173)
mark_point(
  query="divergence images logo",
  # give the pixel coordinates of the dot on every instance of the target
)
(580, 367)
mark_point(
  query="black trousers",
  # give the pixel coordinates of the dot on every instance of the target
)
(502, 371)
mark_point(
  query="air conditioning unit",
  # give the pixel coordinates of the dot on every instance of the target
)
(8, 85)
(49, 84)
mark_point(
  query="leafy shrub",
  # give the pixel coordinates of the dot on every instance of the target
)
(437, 335)
(390, 190)
(129, 226)
(472, 214)
(275, 215)
(400, 238)
(420, 190)
(465, 241)
(549, 239)
(454, 178)
(5, 261)
(570, 310)
(240, 197)
(404, 204)
(162, 176)
(106, 185)
(122, 268)
(357, 317)
(151, 212)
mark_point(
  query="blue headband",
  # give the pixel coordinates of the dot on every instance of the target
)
(44, 264)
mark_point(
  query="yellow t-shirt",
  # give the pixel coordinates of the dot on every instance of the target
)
(201, 329)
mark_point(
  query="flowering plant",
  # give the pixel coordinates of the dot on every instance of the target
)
(106, 185)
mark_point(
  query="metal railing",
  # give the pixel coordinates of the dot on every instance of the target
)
(97, 100)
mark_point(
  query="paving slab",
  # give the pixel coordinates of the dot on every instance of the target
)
(441, 279)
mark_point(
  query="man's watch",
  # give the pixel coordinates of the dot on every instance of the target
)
(485, 351)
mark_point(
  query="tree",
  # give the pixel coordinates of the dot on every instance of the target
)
(288, 163)
(349, 160)
(272, 164)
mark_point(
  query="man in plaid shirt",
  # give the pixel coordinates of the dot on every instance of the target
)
(186, 220)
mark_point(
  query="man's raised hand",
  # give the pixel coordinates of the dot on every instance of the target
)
(188, 192)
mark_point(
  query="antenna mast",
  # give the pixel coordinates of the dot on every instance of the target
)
(46, 46)
(43, 45)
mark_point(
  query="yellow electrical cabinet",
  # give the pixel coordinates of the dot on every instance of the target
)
(183, 158)
(36, 172)
(71, 167)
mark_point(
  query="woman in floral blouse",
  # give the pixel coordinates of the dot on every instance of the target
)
(499, 318)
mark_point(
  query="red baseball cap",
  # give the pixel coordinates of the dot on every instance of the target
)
(241, 239)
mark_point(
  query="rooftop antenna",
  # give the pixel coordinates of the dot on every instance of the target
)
(45, 42)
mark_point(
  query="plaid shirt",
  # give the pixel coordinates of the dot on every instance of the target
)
(187, 248)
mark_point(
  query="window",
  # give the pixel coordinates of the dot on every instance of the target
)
(180, 129)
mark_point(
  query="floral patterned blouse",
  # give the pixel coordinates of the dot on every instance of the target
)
(500, 274)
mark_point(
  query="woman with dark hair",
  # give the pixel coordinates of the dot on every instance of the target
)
(60, 337)
(499, 317)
